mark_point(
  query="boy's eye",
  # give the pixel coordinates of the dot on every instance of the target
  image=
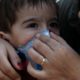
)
(32, 25)
(52, 26)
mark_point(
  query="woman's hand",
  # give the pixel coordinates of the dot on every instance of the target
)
(58, 59)
(7, 55)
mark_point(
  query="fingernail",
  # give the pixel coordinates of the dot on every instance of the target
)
(18, 66)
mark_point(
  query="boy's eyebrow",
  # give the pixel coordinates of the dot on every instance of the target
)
(30, 19)
(55, 18)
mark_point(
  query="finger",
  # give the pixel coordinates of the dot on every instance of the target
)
(36, 73)
(43, 38)
(57, 38)
(3, 76)
(14, 58)
(7, 69)
(52, 43)
(42, 48)
(37, 58)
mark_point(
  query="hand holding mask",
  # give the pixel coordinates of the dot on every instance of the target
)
(23, 50)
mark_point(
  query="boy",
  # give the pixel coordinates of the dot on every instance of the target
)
(21, 20)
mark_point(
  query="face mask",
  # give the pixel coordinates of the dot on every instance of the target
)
(23, 50)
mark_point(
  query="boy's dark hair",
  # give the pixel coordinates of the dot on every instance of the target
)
(8, 10)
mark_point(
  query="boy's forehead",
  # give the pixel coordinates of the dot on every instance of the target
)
(44, 11)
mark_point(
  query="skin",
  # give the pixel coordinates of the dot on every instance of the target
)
(30, 21)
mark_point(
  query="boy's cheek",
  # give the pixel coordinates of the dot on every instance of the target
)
(56, 31)
(26, 39)
(22, 41)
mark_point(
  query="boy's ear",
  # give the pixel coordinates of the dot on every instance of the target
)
(4, 35)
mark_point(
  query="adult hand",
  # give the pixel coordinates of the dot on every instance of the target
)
(7, 55)
(58, 59)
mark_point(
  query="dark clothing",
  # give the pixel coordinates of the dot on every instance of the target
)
(25, 75)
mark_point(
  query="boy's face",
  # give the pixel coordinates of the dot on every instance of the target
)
(31, 21)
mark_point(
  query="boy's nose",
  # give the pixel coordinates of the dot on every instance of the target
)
(44, 27)
(44, 32)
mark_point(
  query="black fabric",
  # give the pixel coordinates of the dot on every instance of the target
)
(25, 76)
